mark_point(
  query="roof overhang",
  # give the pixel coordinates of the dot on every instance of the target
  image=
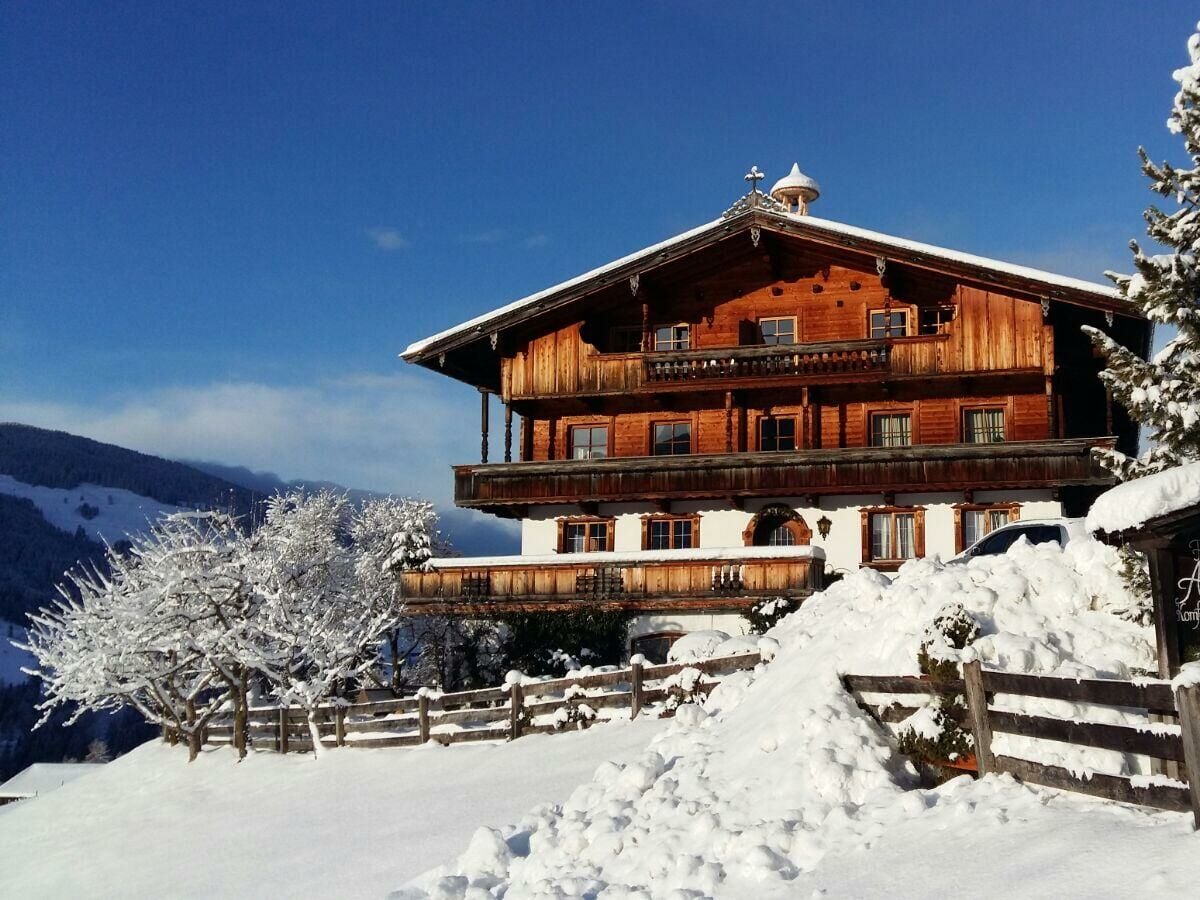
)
(1035, 283)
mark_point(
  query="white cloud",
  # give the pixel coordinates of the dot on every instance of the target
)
(398, 433)
(535, 240)
(387, 238)
(491, 236)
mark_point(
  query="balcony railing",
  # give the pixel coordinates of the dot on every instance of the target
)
(783, 360)
(507, 488)
(730, 578)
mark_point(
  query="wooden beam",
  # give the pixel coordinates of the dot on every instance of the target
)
(508, 417)
(483, 426)
(729, 421)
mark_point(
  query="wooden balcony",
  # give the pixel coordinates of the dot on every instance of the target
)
(508, 488)
(704, 580)
(831, 360)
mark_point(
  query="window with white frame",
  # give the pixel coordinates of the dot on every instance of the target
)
(673, 337)
(777, 330)
(889, 323)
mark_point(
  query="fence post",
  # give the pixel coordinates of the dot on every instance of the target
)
(283, 729)
(977, 706)
(635, 681)
(516, 700)
(1187, 701)
(423, 716)
(339, 726)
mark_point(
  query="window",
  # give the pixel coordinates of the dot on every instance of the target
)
(585, 537)
(776, 433)
(671, 533)
(655, 647)
(893, 323)
(983, 426)
(672, 438)
(893, 535)
(937, 319)
(781, 536)
(780, 330)
(589, 441)
(626, 340)
(978, 522)
(891, 429)
(673, 337)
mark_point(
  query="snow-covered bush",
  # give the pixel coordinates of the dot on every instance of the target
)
(764, 616)
(684, 687)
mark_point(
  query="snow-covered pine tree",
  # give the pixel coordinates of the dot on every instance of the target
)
(1163, 393)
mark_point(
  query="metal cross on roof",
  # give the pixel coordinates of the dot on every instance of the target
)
(754, 177)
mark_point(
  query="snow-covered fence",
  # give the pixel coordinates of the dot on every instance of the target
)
(1178, 745)
(506, 712)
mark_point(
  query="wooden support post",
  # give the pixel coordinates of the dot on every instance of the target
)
(1187, 701)
(339, 726)
(1051, 408)
(805, 419)
(507, 432)
(283, 729)
(729, 421)
(526, 438)
(483, 426)
(516, 702)
(635, 683)
(647, 336)
(977, 706)
(423, 716)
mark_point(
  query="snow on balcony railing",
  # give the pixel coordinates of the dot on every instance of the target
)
(632, 557)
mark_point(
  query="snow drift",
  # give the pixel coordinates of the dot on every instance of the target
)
(742, 797)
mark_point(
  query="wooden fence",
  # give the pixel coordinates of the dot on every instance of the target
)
(495, 713)
(1154, 740)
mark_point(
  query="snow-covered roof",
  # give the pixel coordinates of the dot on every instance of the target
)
(699, 554)
(41, 778)
(1134, 503)
(789, 223)
(796, 179)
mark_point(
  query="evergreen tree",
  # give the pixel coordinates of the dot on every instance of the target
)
(1163, 393)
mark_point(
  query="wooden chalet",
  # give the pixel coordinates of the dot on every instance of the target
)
(771, 380)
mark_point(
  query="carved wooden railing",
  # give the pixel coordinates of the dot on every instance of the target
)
(622, 579)
(790, 360)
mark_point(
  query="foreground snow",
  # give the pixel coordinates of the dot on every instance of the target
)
(782, 786)
(353, 824)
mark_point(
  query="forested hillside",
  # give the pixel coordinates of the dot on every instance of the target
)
(61, 460)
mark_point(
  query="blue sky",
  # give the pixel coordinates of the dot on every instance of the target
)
(219, 224)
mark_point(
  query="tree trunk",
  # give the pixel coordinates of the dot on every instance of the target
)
(314, 731)
(193, 733)
(240, 716)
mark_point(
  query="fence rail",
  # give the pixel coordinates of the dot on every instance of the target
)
(1155, 740)
(494, 713)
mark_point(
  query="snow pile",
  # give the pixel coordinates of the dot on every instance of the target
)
(1133, 503)
(742, 797)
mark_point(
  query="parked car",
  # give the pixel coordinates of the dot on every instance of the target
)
(1036, 531)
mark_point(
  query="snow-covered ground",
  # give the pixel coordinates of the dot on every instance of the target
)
(782, 787)
(120, 512)
(354, 824)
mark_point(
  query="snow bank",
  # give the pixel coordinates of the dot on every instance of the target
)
(1133, 503)
(744, 797)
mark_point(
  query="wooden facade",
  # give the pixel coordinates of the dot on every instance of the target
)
(769, 357)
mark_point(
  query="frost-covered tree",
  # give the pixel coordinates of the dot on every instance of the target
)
(156, 632)
(392, 535)
(313, 621)
(1163, 393)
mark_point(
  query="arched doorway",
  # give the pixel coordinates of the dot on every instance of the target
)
(777, 525)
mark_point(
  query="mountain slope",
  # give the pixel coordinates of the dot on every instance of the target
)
(56, 459)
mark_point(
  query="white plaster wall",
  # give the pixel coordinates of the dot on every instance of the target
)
(723, 526)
